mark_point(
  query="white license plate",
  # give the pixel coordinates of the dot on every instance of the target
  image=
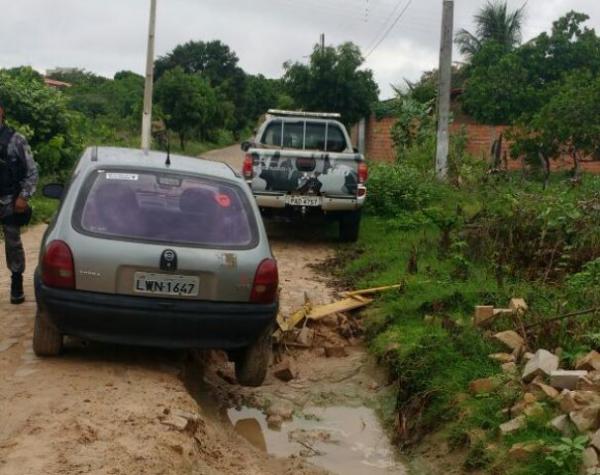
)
(299, 200)
(169, 285)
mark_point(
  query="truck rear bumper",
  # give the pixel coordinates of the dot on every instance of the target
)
(329, 203)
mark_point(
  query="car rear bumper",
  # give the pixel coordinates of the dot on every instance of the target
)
(329, 203)
(160, 323)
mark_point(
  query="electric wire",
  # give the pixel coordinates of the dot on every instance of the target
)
(388, 31)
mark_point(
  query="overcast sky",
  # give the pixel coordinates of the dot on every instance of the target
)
(105, 36)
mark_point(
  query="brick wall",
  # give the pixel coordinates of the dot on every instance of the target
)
(379, 146)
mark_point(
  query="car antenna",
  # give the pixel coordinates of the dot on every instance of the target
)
(168, 162)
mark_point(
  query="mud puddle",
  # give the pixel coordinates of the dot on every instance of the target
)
(344, 440)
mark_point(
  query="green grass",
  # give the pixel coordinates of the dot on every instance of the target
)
(434, 362)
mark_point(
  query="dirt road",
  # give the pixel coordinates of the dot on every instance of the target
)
(105, 409)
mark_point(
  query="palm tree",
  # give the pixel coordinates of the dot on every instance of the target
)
(494, 23)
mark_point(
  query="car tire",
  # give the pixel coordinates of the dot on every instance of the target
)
(350, 226)
(47, 340)
(252, 363)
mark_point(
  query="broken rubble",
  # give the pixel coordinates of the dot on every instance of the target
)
(563, 425)
(518, 305)
(513, 425)
(528, 356)
(590, 362)
(564, 379)
(306, 336)
(510, 368)
(511, 340)
(595, 442)
(523, 450)
(274, 422)
(519, 408)
(484, 315)
(285, 411)
(483, 386)
(590, 458)
(546, 390)
(586, 419)
(502, 357)
(176, 422)
(284, 371)
(542, 364)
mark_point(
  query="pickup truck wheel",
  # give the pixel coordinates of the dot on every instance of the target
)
(47, 340)
(350, 226)
(252, 363)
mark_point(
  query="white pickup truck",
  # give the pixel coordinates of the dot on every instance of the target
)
(302, 163)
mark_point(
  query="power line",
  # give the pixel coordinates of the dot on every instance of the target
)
(385, 23)
(388, 31)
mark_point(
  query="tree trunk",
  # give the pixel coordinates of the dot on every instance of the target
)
(182, 140)
(576, 165)
(546, 165)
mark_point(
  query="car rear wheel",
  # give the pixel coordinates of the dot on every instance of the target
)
(47, 340)
(251, 364)
(350, 226)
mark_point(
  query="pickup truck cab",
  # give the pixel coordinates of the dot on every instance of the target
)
(302, 163)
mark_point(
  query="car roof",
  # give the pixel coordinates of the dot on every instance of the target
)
(95, 157)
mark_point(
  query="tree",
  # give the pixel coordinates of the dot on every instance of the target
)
(504, 87)
(333, 81)
(499, 89)
(261, 94)
(215, 62)
(41, 114)
(569, 124)
(189, 104)
(496, 23)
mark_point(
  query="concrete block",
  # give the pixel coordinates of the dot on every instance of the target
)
(542, 364)
(564, 379)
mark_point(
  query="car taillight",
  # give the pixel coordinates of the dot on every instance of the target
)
(248, 168)
(266, 283)
(363, 173)
(58, 270)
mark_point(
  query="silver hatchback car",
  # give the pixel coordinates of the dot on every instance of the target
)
(157, 251)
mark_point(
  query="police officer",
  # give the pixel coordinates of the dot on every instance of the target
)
(18, 180)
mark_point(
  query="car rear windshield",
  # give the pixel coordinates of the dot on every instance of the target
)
(305, 135)
(166, 208)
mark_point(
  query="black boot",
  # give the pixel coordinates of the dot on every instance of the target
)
(17, 296)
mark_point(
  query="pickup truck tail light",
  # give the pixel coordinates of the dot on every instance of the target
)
(58, 269)
(363, 173)
(266, 283)
(248, 168)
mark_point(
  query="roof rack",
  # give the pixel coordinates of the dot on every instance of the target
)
(320, 115)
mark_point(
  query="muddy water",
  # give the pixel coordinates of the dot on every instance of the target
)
(344, 440)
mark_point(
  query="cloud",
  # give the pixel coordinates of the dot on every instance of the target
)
(106, 36)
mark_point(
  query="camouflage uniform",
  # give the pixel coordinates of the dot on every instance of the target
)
(17, 148)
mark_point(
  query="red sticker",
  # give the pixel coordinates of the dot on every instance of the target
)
(223, 200)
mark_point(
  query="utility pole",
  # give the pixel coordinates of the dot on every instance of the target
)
(322, 43)
(443, 135)
(147, 117)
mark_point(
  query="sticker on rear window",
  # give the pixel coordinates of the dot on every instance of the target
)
(122, 176)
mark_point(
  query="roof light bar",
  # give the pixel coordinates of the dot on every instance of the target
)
(320, 115)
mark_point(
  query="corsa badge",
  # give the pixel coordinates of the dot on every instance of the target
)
(168, 260)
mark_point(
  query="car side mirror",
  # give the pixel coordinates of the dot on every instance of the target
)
(53, 191)
(246, 146)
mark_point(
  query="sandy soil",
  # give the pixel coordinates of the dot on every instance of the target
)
(102, 409)
(106, 409)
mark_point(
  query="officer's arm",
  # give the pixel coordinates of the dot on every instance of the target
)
(29, 183)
